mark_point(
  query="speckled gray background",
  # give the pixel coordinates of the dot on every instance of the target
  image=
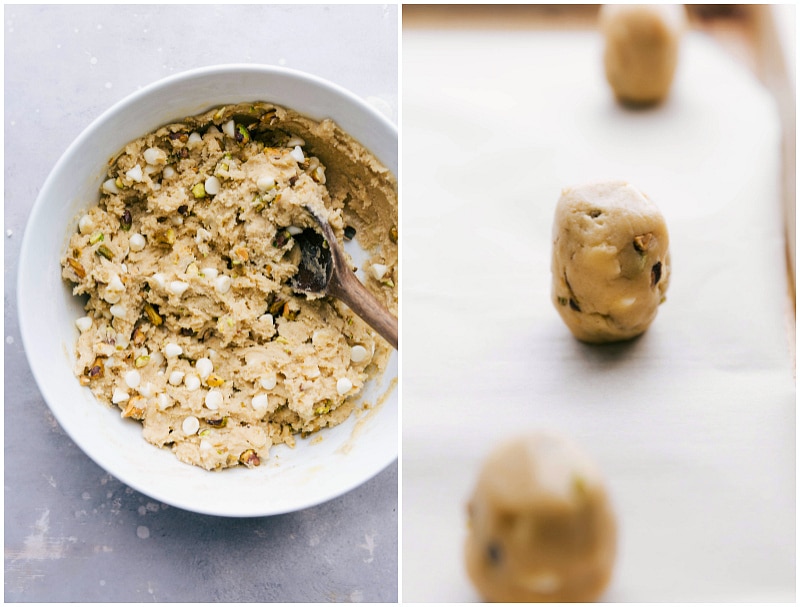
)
(72, 532)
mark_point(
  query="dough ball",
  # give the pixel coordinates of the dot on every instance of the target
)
(541, 527)
(641, 49)
(611, 263)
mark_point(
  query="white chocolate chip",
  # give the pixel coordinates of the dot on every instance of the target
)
(212, 186)
(358, 354)
(260, 402)
(295, 141)
(229, 128)
(343, 386)
(84, 323)
(267, 318)
(133, 378)
(164, 401)
(204, 367)
(119, 396)
(176, 377)
(294, 230)
(190, 425)
(171, 350)
(192, 382)
(297, 154)
(155, 156)
(178, 287)
(210, 273)
(213, 399)
(146, 390)
(86, 224)
(137, 242)
(194, 140)
(135, 174)
(378, 270)
(222, 284)
(268, 382)
(118, 311)
(265, 182)
(168, 172)
(110, 187)
(160, 280)
(205, 445)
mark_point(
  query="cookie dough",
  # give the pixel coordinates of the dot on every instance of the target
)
(641, 49)
(541, 526)
(190, 326)
(611, 262)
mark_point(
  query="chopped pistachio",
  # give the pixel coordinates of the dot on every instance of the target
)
(153, 315)
(218, 423)
(242, 134)
(281, 238)
(214, 380)
(249, 458)
(126, 221)
(642, 242)
(282, 340)
(76, 267)
(97, 370)
(105, 252)
(96, 237)
(562, 301)
(199, 190)
(141, 361)
(134, 408)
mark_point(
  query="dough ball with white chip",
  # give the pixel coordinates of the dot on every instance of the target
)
(641, 49)
(541, 526)
(611, 262)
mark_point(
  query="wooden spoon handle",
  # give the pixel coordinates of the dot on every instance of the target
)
(346, 286)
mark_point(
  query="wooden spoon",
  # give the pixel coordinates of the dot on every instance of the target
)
(323, 270)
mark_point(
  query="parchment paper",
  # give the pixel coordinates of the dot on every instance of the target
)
(693, 423)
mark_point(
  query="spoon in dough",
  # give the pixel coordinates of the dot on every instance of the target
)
(323, 270)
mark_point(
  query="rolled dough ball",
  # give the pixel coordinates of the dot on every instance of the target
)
(541, 527)
(611, 262)
(641, 49)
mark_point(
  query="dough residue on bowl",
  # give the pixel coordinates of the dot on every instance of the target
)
(190, 326)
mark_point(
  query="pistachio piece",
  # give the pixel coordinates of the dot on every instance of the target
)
(642, 242)
(281, 238)
(104, 251)
(96, 237)
(152, 314)
(393, 234)
(76, 267)
(199, 190)
(134, 408)
(214, 380)
(242, 134)
(249, 458)
(97, 370)
(141, 361)
(218, 423)
(126, 221)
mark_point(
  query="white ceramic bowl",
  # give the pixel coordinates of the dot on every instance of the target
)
(291, 479)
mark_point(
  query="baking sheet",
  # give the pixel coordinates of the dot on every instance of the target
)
(693, 423)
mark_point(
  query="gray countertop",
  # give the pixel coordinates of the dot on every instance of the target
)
(73, 532)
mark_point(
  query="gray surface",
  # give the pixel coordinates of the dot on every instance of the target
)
(72, 532)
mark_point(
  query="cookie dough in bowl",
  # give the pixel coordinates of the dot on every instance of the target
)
(541, 525)
(191, 326)
(323, 463)
(610, 262)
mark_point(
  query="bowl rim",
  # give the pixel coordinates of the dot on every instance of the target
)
(39, 207)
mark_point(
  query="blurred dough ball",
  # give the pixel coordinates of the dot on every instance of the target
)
(611, 262)
(641, 49)
(541, 527)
